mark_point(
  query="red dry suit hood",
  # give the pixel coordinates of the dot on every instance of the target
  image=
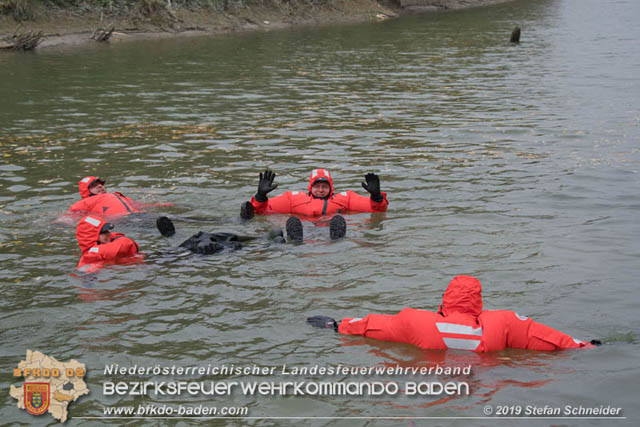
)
(85, 183)
(463, 295)
(320, 174)
(88, 231)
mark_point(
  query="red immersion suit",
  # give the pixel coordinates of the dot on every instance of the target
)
(304, 204)
(461, 324)
(107, 204)
(120, 250)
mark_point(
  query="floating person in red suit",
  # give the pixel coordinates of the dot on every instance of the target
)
(100, 246)
(320, 199)
(460, 323)
(96, 200)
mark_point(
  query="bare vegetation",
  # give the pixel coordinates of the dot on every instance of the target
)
(19, 10)
(156, 12)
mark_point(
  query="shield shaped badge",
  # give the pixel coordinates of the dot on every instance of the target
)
(36, 397)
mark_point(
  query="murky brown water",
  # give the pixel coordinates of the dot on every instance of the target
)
(516, 164)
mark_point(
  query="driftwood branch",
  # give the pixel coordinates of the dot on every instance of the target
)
(23, 41)
(102, 34)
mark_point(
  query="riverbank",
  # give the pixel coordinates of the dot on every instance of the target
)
(160, 19)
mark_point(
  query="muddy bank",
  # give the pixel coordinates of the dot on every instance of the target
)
(73, 26)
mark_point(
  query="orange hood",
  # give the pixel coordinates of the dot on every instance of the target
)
(463, 295)
(320, 174)
(88, 231)
(85, 183)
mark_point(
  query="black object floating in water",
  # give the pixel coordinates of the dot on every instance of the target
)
(247, 211)
(515, 35)
(210, 243)
(165, 226)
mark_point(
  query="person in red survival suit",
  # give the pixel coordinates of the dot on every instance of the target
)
(460, 324)
(100, 246)
(96, 200)
(320, 199)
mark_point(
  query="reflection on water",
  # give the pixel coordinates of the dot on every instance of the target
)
(517, 164)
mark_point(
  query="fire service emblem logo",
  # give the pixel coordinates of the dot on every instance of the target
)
(36, 397)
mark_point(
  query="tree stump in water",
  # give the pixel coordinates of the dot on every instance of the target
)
(515, 35)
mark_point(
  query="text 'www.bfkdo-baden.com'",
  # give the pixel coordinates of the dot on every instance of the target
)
(162, 410)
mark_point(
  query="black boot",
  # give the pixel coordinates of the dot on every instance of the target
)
(165, 226)
(294, 229)
(247, 211)
(337, 227)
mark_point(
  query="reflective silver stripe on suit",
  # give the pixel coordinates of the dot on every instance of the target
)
(461, 344)
(452, 328)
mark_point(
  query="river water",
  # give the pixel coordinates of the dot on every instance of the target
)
(517, 164)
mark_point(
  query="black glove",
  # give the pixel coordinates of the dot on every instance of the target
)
(323, 322)
(165, 226)
(596, 342)
(373, 186)
(265, 185)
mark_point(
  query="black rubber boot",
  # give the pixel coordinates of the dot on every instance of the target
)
(165, 226)
(337, 227)
(294, 229)
(247, 211)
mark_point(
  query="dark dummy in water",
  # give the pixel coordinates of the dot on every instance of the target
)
(210, 243)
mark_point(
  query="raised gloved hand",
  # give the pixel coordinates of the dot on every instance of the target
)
(323, 322)
(165, 226)
(373, 186)
(265, 185)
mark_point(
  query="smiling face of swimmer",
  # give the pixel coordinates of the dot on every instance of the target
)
(320, 189)
(105, 237)
(97, 188)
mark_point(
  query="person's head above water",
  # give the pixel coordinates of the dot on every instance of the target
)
(105, 233)
(320, 189)
(92, 230)
(97, 187)
(463, 295)
(320, 184)
(90, 186)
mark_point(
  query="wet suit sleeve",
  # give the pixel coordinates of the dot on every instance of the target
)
(357, 203)
(278, 204)
(383, 327)
(83, 205)
(526, 333)
(126, 246)
(120, 247)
